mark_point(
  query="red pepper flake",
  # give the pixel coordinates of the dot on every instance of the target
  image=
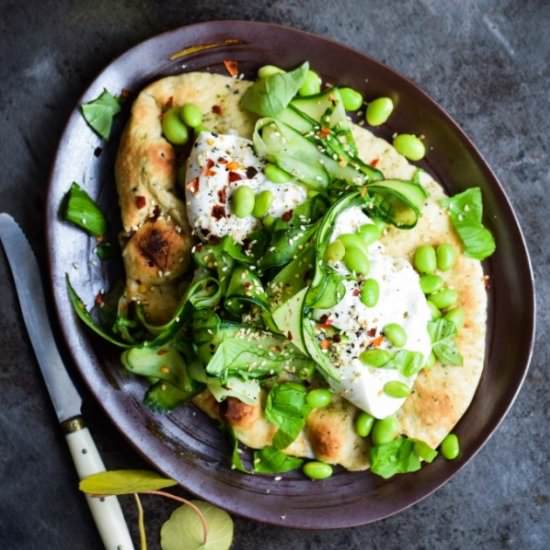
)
(222, 160)
(374, 162)
(162, 351)
(289, 335)
(217, 110)
(324, 132)
(168, 104)
(222, 195)
(218, 211)
(232, 67)
(377, 342)
(325, 321)
(234, 176)
(371, 332)
(287, 215)
(140, 201)
(99, 300)
(356, 292)
(325, 344)
(207, 170)
(193, 185)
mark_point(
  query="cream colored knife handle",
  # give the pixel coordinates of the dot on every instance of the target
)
(106, 511)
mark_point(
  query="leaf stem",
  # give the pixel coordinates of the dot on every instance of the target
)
(187, 503)
(141, 523)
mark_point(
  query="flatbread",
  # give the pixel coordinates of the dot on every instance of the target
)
(146, 162)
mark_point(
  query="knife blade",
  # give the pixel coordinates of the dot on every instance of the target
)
(67, 402)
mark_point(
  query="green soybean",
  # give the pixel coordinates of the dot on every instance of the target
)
(430, 361)
(352, 239)
(379, 110)
(425, 260)
(436, 314)
(370, 292)
(384, 430)
(444, 298)
(424, 451)
(414, 365)
(319, 398)
(396, 334)
(173, 128)
(397, 389)
(242, 201)
(262, 202)
(335, 251)
(410, 146)
(375, 357)
(363, 424)
(191, 115)
(311, 85)
(430, 283)
(268, 221)
(275, 174)
(456, 315)
(351, 99)
(317, 470)
(369, 233)
(450, 447)
(268, 70)
(446, 256)
(356, 260)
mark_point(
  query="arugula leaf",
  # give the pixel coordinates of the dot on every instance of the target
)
(396, 457)
(442, 333)
(99, 113)
(185, 530)
(269, 96)
(466, 213)
(287, 408)
(124, 482)
(270, 460)
(80, 209)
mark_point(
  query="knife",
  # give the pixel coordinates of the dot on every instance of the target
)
(67, 403)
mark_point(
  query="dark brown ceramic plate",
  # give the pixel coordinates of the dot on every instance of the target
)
(185, 444)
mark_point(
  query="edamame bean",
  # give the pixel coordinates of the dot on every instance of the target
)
(446, 256)
(384, 430)
(456, 315)
(351, 99)
(356, 260)
(275, 174)
(268, 221)
(450, 447)
(173, 128)
(369, 233)
(436, 314)
(191, 115)
(425, 260)
(413, 365)
(268, 70)
(410, 146)
(352, 239)
(262, 203)
(311, 85)
(375, 357)
(424, 451)
(335, 251)
(370, 292)
(242, 201)
(430, 283)
(319, 398)
(363, 424)
(317, 470)
(444, 298)
(379, 110)
(396, 334)
(430, 361)
(396, 389)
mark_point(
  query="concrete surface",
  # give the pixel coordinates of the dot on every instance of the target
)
(485, 61)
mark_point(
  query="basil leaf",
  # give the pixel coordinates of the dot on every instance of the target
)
(270, 460)
(100, 112)
(442, 333)
(466, 213)
(82, 211)
(287, 408)
(396, 457)
(269, 96)
(124, 482)
(247, 391)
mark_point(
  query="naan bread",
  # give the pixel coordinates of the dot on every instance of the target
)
(146, 166)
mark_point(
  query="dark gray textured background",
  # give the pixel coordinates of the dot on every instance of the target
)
(486, 62)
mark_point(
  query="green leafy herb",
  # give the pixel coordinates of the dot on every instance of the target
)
(270, 460)
(247, 391)
(443, 333)
(100, 112)
(466, 213)
(287, 408)
(396, 457)
(269, 96)
(183, 530)
(124, 482)
(81, 210)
